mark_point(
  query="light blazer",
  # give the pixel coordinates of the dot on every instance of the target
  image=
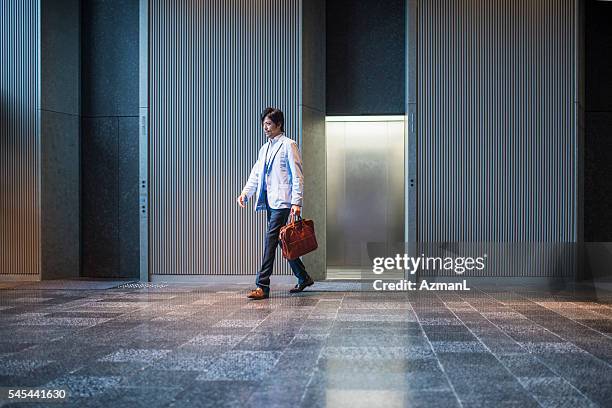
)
(284, 181)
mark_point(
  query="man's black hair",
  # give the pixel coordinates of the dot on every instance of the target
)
(275, 115)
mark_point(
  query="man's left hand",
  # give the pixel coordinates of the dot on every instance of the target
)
(296, 210)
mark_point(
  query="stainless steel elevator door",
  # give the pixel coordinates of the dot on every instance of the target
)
(365, 188)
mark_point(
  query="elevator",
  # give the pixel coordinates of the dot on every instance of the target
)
(365, 189)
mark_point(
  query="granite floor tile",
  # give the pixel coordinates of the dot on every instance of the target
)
(375, 318)
(11, 367)
(183, 362)
(276, 395)
(440, 321)
(237, 323)
(241, 365)
(213, 394)
(207, 345)
(135, 355)
(81, 386)
(458, 347)
(154, 377)
(367, 353)
(521, 365)
(61, 321)
(8, 348)
(555, 392)
(377, 398)
(373, 339)
(390, 376)
(229, 340)
(459, 336)
(141, 396)
(544, 347)
(32, 300)
(266, 341)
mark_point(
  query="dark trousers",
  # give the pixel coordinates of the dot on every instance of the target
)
(276, 219)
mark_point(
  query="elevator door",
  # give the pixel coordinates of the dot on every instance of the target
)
(365, 189)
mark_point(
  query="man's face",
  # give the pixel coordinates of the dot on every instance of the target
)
(270, 128)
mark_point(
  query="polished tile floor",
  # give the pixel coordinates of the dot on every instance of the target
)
(207, 345)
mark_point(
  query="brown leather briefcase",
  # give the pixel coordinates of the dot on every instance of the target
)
(297, 238)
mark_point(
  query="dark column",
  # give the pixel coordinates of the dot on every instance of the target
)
(313, 128)
(60, 138)
(110, 138)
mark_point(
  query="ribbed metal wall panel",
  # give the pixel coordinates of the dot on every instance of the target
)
(497, 138)
(213, 66)
(20, 241)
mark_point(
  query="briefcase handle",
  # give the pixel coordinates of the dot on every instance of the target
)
(293, 218)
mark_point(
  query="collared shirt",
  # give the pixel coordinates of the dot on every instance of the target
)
(272, 142)
(269, 153)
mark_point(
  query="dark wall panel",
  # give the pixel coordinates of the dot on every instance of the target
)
(598, 59)
(110, 58)
(60, 56)
(110, 70)
(60, 138)
(100, 197)
(597, 175)
(128, 195)
(60, 191)
(598, 122)
(365, 57)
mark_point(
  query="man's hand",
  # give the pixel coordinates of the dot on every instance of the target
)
(241, 200)
(296, 210)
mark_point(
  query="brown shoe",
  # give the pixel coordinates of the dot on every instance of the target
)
(257, 294)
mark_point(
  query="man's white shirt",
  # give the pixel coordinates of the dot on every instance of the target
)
(284, 177)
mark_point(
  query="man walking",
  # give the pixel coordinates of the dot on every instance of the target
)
(278, 181)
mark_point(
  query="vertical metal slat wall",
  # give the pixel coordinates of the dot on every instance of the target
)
(20, 240)
(497, 139)
(213, 66)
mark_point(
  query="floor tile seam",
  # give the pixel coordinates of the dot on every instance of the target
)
(315, 367)
(584, 307)
(310, 313)
(545, 328)
(562, 311)
(563, 338)
(461, 301)
(607, 317)
(284, 351)
(525, 316)
(497, 358)
(590, 328)
(450, 384)
(537, 358)
(493, 325)
(596, 332)
(248, 333)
